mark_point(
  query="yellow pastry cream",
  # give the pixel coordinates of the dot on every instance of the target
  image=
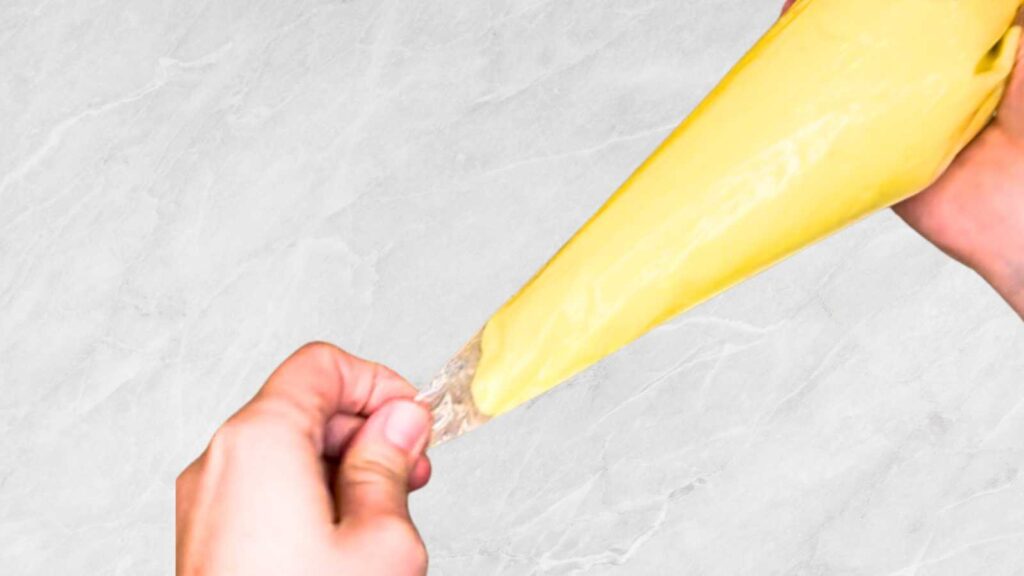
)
(843, 108)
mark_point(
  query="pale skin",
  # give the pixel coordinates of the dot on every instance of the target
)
(312, 476)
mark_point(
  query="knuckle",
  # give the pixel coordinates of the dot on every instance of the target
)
(225, 438)
(317, 354)
(233, 438)
(317, 349)
(185, 479)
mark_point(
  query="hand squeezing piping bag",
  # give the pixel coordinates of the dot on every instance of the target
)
(843, 108)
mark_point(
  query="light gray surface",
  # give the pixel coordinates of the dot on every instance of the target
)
(188, 191)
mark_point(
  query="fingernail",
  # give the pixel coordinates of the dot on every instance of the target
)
(407, 427)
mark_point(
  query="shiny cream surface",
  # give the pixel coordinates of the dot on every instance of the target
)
(843, 108)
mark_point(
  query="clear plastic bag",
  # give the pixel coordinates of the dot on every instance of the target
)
(450, 395)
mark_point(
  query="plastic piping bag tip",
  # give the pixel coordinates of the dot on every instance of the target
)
(450, 395)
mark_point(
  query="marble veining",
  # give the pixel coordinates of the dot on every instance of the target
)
(190, 190)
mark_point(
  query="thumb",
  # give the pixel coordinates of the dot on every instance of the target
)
(373, 482)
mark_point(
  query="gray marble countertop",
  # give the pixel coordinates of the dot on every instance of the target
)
(190, 190)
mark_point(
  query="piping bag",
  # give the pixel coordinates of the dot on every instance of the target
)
(843, 108)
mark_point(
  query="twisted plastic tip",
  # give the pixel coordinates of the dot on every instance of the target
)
(450, 396)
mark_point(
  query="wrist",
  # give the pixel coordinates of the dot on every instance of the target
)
(1000, 258)
(1007, 277)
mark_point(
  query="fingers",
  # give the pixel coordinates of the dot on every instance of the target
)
(319, 381)
(420, 474)
(787, 5)
(341, 428)
(383, 461)
(380, 465)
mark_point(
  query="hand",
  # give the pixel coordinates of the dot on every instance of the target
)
(268, 496)
(975, 211)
